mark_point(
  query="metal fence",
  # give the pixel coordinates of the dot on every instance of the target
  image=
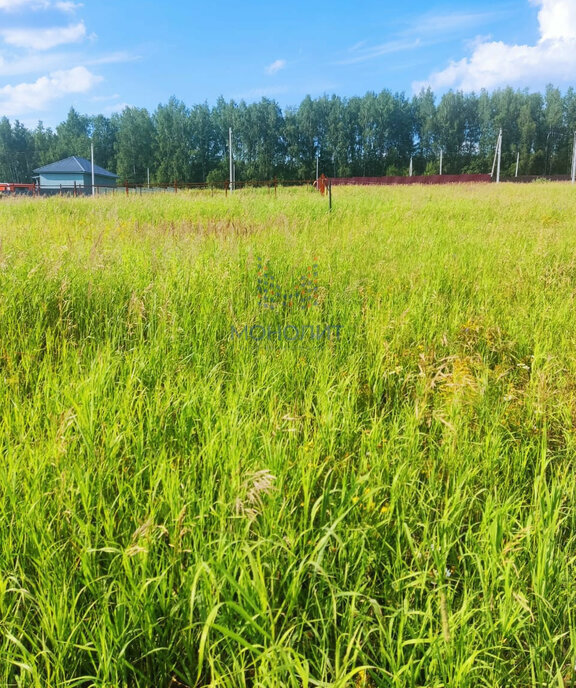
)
(420, 179)
(128, 188)
(272, 185)
(527, 178)
(224, 186)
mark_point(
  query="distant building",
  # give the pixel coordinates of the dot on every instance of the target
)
(73, 172)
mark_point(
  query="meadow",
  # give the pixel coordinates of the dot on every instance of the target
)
(389, 505)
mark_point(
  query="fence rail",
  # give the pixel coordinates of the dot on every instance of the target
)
(216, 185)
(133, 188)
(526, 178)
(420, 179)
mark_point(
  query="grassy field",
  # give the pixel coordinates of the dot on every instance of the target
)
(391, 504)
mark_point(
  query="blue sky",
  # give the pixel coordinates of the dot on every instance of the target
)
(102, 56)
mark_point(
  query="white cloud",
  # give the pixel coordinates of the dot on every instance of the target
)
(34, 62)
(44, 39)
(113, 58)
(362, 53)
(494, 63)
(276, 66)
(15, 5)
(119, 107)
(357, 46)
(450, 23)
(22, 98)
(38, 63)
(68, 6)
(423, 30)
(557, 19)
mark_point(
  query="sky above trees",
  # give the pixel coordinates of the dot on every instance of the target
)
(101, 56)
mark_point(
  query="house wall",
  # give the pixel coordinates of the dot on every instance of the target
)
(54, 181)
(99, 180)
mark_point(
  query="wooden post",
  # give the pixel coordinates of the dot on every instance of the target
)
(126, 185)
(74, 188)
(175, 186)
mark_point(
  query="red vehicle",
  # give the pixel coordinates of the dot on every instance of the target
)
(15, 188)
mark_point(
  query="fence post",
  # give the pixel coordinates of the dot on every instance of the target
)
(126, 185)
(175, 186)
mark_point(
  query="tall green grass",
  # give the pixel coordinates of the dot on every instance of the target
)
(393, 507)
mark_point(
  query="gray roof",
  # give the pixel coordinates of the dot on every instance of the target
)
(74, 165)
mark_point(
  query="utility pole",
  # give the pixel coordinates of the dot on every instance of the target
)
(231, 160)
(574, 160)
(546, 171)
(92, 160)
(517, 163)
(441, 158)
(410, 168)
(499, 156)
(148, 176)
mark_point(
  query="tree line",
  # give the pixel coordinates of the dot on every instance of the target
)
(372, 135)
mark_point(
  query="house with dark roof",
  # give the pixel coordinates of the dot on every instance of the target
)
(73, 173)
